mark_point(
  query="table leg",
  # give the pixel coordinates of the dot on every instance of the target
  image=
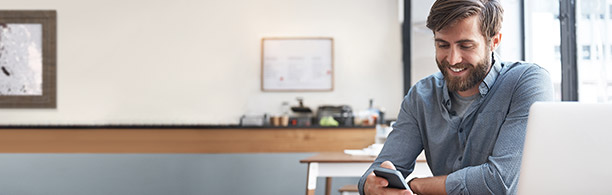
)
(310, 192)
(311, 178)
(328, 185)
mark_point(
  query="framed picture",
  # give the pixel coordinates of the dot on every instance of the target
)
(297, 64)
(28, 59)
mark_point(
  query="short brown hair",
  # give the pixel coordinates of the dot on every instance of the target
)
(445, 13)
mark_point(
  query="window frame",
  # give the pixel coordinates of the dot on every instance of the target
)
(569, 67)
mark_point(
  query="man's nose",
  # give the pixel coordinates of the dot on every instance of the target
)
(454, 57)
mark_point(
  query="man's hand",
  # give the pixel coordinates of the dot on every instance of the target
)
(378, 185)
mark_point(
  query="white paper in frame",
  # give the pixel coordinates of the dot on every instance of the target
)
(297, 64)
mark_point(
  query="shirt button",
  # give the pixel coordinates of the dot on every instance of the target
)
(460, 130)
(460, 158)
(453, 113)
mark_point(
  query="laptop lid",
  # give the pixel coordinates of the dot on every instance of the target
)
(568, 149)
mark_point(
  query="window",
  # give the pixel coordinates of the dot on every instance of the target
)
(543, 43)
(597, 52)
(587, 44)
(586, 52)
(595, 66)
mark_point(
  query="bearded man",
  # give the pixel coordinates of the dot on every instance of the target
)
(471, 117)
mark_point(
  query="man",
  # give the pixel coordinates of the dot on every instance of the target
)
(471, 117)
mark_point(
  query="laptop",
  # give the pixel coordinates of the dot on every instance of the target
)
(568, 149)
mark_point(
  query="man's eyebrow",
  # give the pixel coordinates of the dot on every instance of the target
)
(441, 40)
(460, 41)
(465, 41)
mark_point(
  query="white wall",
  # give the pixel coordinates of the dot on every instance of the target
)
(198, 61)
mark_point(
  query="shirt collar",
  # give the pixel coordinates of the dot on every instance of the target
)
(487, 83)
(489, 80)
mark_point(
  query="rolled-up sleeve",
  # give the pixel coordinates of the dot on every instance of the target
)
(499, 175)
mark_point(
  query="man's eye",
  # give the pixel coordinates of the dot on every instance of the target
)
(466, 46)
(442, 46)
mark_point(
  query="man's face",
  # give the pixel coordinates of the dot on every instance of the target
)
(462, 54)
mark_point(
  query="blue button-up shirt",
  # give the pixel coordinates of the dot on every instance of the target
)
(481, 151)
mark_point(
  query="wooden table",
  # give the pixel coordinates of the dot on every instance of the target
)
(339, 164)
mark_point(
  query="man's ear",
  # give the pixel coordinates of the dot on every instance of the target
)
(495, 40)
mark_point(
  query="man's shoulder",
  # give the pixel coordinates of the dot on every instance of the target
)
(431, 81)
(427, 88)
(515, 76)
(510, 68)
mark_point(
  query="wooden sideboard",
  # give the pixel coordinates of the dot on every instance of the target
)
(183, 140)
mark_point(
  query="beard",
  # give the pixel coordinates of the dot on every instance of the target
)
(476, 74)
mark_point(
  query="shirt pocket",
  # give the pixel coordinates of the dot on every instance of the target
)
(483, 134)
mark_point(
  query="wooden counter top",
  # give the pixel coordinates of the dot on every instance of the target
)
(183, 140)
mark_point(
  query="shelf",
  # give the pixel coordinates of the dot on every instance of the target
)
(183, 140)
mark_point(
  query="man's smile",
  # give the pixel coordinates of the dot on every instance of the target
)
(455, 71)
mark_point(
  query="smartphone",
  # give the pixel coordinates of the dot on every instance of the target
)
(394, 177)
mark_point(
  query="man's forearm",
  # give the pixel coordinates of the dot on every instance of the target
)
(429, 185)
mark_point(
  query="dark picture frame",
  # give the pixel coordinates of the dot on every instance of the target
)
(47, 19)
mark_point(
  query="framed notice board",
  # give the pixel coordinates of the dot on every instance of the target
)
(297, 64)
(28, 41)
